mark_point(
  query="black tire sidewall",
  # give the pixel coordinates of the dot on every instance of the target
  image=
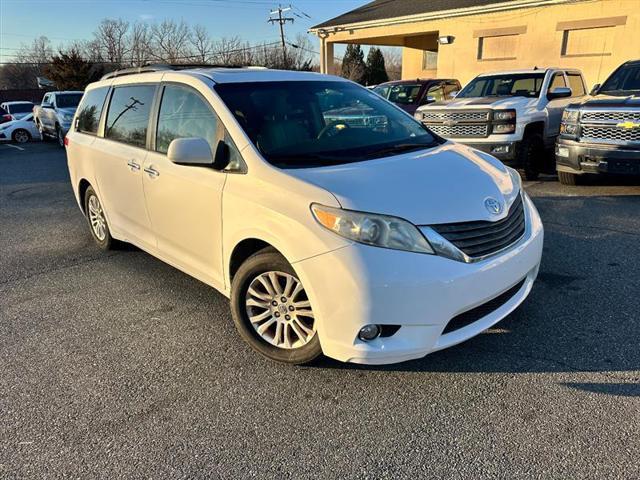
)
(107, 243)
(264, 261)
(14, 134)
(531, 147)
(59, 136)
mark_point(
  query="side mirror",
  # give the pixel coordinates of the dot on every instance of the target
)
(46, 105)
(594, 90)
(190, 151)
(559, 92)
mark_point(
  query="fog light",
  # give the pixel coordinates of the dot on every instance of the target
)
(369, 332)
(500, 149)
(562, 152)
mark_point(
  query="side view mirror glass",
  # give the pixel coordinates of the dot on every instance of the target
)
(559, 92)
(190, 151)
(595, 89)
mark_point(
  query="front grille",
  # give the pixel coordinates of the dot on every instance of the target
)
(610, 116)
(610, 134)
(470, 316)
(460, 116)
(481, 238)
(479, 130)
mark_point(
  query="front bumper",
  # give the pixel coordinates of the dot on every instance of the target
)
(578, 158)
(505, 151)
(359, 285)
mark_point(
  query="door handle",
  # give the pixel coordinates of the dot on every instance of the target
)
(133, 165)
(152, 172)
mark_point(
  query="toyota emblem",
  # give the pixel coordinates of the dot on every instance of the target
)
(493, 206)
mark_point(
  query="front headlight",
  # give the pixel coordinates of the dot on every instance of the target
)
(570, 116)
(504, 115)
(372, 229)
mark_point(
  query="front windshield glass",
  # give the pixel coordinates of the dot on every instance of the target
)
(314, 123)
(68, 100)
(507, 85)
(622, 81)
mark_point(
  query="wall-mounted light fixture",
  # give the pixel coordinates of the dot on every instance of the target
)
(446, 39)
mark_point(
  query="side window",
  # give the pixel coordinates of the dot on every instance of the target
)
(557, 81)
(46, 99)
(90, 110)
(128, 114)
(449, 88)
(436, 92)
(183, 113)
(576, 84)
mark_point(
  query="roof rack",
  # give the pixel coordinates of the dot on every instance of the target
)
(159, 67)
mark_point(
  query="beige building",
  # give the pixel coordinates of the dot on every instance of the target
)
(594, 36)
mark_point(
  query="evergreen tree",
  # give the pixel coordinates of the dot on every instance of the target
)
(375, 68)
(353, 66)
(69, 71)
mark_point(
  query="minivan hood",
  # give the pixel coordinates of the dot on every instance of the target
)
(483, 102)
(448, 183)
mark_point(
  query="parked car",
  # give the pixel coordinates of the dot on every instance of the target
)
(515, 116)
(53, 117)
(601, 134)
(4, 116)
(18, 110)
(370, 245)
(20, 131)
(410, 94)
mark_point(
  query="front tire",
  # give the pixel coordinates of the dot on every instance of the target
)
(60, 136)
(272, 311)
(97, 220)
(567, 178)
(21, 136)
(530, 155)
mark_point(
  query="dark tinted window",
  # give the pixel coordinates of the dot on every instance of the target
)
(68, 100)
(21, 108)
(315, 123)
(128, 114)
(625, 79)
(576, 85)
(184, 113)
(519, 84)
(404, 94)
(90, 110)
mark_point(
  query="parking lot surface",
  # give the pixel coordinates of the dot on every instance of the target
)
(117, 365)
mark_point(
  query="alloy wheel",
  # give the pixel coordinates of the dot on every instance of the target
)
(21, 136)
(96, 218)
(279, 310)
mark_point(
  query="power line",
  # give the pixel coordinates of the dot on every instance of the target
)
(281, 21)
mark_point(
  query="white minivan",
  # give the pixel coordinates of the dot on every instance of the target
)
(334, 221)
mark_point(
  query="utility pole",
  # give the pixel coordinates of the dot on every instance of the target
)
(281, 21)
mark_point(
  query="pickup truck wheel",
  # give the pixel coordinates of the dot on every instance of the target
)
(60, 136)
(271, 310)
(567, 178)
(531, 155)
(20, 136)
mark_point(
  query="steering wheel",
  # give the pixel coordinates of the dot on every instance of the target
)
(333, 128)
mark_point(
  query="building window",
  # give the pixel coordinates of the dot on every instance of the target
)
(499, 43)
(429, 60)
(586, 38)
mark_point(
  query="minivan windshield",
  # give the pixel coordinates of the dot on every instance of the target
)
(623, 81)
(505, 85)
(68, 100)
(299, 124)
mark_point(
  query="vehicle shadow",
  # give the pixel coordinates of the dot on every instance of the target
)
(582, 314)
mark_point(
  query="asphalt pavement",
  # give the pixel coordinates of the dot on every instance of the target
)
(116, 365)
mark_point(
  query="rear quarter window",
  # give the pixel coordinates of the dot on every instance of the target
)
(90, 110)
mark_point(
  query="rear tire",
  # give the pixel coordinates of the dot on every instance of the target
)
(271, 310)
(567, 178)
(531, 155)
(60, 136)
(97, 220)
(21, 136)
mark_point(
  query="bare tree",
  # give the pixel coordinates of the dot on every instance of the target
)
(140, 50)
(201, 43)
(171, 41)
(112, 36)
(393, 62)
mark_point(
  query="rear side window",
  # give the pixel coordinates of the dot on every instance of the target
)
(90, 110)
(183, 114)
(576, 85)
(128, 114)
(557, 81)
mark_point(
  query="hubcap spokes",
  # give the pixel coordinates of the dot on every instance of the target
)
(96, 218)
(279, 310)
(21, 137)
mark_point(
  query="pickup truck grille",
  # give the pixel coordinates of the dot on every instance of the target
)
(611, 134)
(612, 116)
(481, 238)
(457, 123)
(460, 130)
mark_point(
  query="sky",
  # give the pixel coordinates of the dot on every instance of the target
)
(65, 20)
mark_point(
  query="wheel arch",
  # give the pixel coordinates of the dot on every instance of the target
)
(83, 185)
(243, 250)
(534, 128)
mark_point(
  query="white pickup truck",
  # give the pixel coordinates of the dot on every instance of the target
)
(54, 115)
(515, 115)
